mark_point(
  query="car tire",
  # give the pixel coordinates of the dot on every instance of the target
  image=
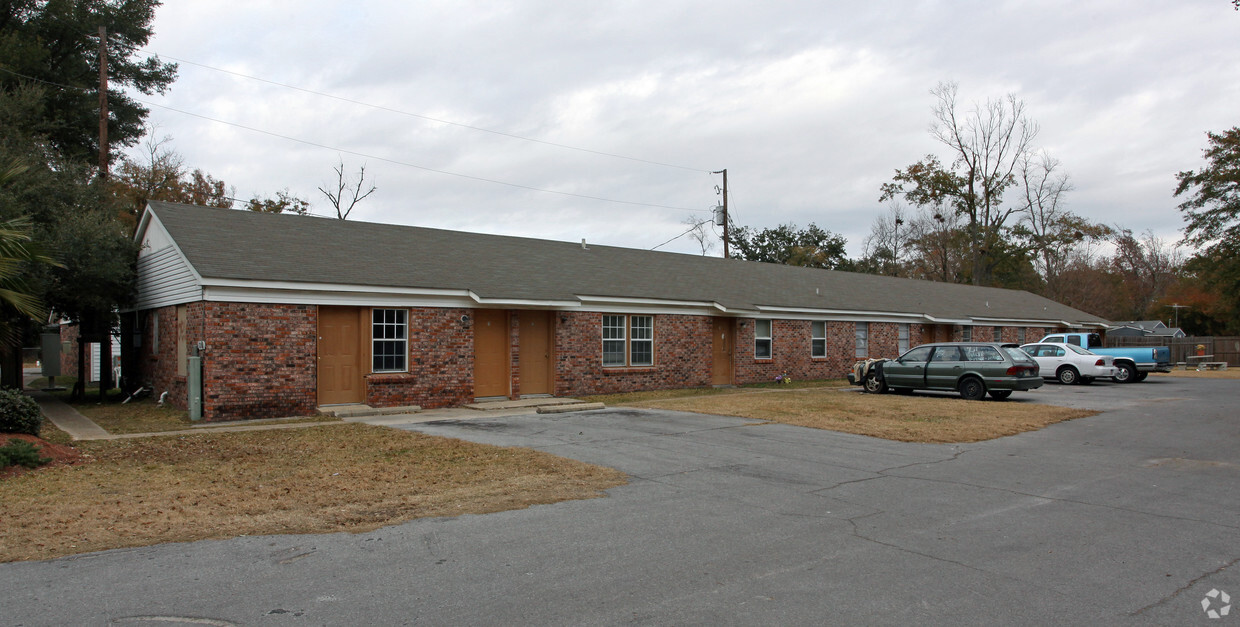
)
(1127, 373)
(874, 385)
(1141, 376)
(1000, 395)
(971, 389)
(1068, 375)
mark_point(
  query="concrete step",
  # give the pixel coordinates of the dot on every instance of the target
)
(523, 403)
(357, 411)
(561, 409)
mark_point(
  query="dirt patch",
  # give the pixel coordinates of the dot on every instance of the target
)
(60, 454)
(907, 418)
(346, 477)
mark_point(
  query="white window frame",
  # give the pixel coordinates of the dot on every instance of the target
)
(966, 333)
(902, 338)
(626, 335)
(1020, 335)
(816, 341)
(862, 339)
(997, 334)
(761, 340)
(636, 339)
(615, 330)
(391, 329)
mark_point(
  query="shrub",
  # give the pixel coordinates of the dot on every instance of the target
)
(21, 453)
(19, 413)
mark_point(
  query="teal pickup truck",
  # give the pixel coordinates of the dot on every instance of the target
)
(1133, 364)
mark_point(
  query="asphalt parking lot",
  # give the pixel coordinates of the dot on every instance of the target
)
(1128, 517)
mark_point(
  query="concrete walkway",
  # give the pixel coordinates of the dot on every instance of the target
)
(66, 418)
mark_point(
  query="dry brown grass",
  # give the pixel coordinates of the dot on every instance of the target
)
(1231, 373)
(147, 416)
(347, 477)
(914, 418)
(654, 395)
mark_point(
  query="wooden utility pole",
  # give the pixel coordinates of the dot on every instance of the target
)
(103, 103)
(724, 172)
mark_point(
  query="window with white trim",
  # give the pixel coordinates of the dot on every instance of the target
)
(641, 341)
(389, 340)
(1020, 335)
(863, 339)
(818, 339)
(966, 333)
(762, 339)
(997, 334)
(902, 339)
(613, 341)
(628, 341)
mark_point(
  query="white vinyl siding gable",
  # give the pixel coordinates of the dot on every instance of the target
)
(165, 278)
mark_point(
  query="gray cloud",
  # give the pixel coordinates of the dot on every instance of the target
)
(810, 106)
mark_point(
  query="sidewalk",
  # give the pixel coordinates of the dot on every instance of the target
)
(66, 418)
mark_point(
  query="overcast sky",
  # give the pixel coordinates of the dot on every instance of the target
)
(810, 106)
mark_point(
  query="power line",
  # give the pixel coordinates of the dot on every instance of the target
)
(426, 117)
(362, 154)
(682, 234)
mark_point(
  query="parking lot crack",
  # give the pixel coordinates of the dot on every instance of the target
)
(1184, 588)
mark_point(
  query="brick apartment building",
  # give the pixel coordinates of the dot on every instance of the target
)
(289, 313)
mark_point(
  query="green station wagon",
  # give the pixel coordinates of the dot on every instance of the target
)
(974, 369)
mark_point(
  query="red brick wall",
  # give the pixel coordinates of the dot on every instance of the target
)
(260, 360)
(158, 364)
(441, 364)
(69, 358)
(682, 356)
(791, 350)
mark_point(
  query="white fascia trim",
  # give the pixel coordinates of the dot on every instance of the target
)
(363, 298)
(1036, 322)
(621, 304)
(846, 315)
(649, 301)
(843, 314)
(523, 303)
(294, 286)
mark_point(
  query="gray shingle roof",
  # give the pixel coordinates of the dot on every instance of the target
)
(244, 245)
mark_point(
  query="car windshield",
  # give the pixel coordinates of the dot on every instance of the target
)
(1017, 354)
(1078, 350)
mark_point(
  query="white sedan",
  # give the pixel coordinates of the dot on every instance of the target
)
(1069, 363)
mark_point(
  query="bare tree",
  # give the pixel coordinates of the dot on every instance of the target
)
(347, 193)
(884, 248)
(938, 246)
(1148, 266)
(699, 233)
(155, 175)
(1047, 229)
(987, 144)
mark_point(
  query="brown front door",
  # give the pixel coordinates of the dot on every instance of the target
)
(722, 342)
(932, 333)
(534, 355)
(340, 356)
(492, 366)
